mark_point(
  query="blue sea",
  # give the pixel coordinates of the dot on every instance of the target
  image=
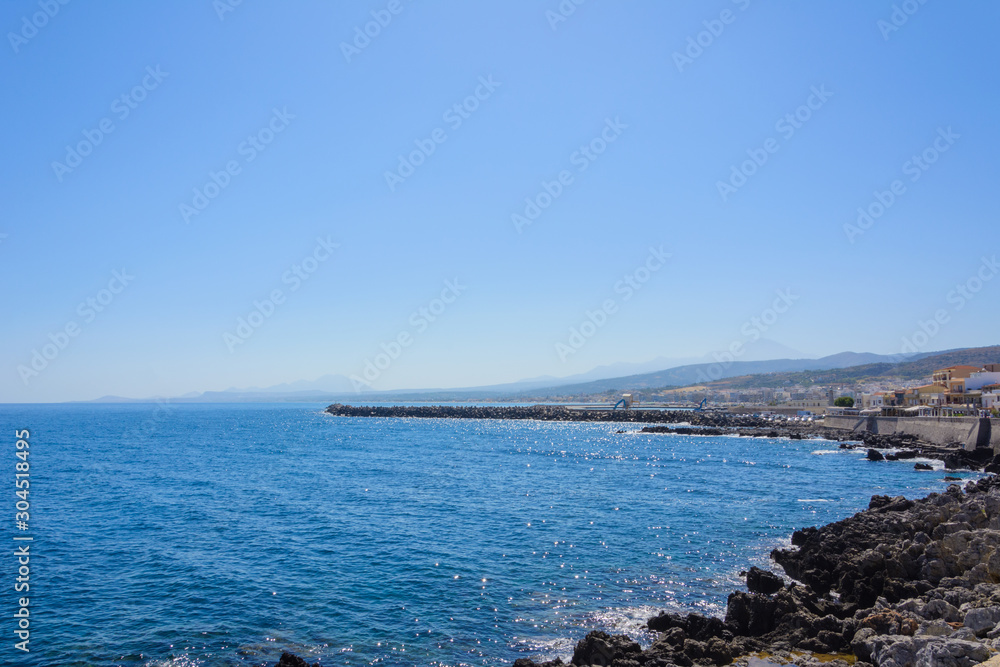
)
(186, 534)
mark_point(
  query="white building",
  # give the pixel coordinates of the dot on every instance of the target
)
(981, 379)
(991, 399)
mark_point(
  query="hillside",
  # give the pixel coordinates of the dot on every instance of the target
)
(881, 372)
(691, 374)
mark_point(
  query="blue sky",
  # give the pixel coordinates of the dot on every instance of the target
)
(664, 121)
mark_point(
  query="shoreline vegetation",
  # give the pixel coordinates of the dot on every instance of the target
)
(903, 583)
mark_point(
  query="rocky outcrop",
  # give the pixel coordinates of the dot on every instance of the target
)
(902, 447)
(291, 660)
(762, 581)
(683, 430)
(905, 583)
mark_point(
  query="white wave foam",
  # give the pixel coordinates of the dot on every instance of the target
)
(628, 620)
(179, 661)
(933, 463)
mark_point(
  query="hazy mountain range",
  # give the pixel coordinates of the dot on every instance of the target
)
(659, 372)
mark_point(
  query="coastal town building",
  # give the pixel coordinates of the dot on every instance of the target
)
(961, 390)
(928, 394)
(989, 375)
(953, 377)
(869, 400)
(956, 390)
(806, 404)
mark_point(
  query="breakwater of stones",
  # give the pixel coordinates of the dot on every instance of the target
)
(689, 422)
(551, 413)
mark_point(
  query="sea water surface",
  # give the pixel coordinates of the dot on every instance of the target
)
(186, 534)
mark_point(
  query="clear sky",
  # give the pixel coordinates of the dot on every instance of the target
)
(212, 154)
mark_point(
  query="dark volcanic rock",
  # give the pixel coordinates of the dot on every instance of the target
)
(882, 552)
(875, 455)
(963, 460)
(922, 466)
(750, 614)
(683, 430)
(600, 648)
(694, 626)
(954, 462)
(526, 662)
(891, 441)
(291, 660)
(875, 503)
(762, 581)
(665, 621)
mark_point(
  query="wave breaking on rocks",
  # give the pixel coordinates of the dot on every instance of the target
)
(903, 583)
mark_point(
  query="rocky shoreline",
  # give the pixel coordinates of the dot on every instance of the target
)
(905, 583)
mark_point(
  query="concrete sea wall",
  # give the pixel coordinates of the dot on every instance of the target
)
(968, 432)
